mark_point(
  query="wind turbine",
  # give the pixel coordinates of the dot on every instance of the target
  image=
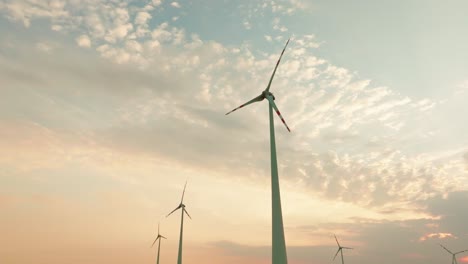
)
(340, 249)
(454, 259)
(278, 244)
(159, 244)
(181, 206)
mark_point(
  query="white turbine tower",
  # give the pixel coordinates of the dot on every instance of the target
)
(454, 258)
(340, 249)
(181, 206)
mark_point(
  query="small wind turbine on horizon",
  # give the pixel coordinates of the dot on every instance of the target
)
(454, 258)
(340, 249)
(181, 206)
(279, 255)
(159, 244)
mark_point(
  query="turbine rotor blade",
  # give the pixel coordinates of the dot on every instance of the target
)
(173, 211)
(183, 193)
(155, 241)
(164, 237)
(337, 241)
(336, 253)
(446, 249)
(276, 67)
(461, 251)
(187, 213)
(278, 113)
(347, 248)
(256, 99)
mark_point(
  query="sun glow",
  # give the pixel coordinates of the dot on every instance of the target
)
(436, 235)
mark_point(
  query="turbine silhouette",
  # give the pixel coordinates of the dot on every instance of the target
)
(279, 255)
(454, 258)
(159, 244)
(340, 249)
(181, 206)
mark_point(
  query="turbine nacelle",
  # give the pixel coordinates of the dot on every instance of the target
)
(266, 93)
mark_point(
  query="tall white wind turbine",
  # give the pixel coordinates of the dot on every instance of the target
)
(184, 211)
(340, 249)
(159, 237)
(279, 255)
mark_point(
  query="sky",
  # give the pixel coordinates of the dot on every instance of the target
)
(107, 107)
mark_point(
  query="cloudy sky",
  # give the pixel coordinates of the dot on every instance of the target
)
(107, 107)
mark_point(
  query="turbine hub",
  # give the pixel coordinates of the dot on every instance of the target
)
(267, 93)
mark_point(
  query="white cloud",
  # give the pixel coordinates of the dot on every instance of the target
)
(83, 41)
(247, 25)
(461, 88)
(56, 27)
(161, 33)
(178, 36)
(24, 11)
(195, 43)
(119, 32)
(437, 235)
(45, 46)
(95, 24)
(133, 46)
(175, 4)
(141, 21)
(299, 4)
(142, 18)
(280, 28)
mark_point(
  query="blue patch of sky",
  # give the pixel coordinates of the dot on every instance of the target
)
(415, 47)
(221, 21)
(211, 20)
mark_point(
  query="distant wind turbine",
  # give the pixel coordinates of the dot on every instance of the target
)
(181, 206)
(278, 244)
(159, 244)
(340, 249)
(454, 258)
